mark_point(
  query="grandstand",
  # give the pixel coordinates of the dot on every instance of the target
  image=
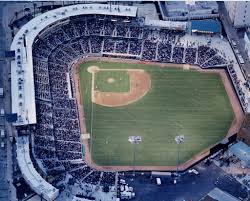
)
(45, 50)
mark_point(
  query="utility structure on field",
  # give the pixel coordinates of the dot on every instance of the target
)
(178, 139)
(134, 140)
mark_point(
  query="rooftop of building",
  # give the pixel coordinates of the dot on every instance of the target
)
(176, 8)
(147, 10)
(209, 26)
(182, 8)
(218, 195)
(241, 151)
(203, 5)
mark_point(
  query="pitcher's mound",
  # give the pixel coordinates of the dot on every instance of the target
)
(110, 80)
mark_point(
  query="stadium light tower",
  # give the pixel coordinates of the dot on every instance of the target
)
(178, 139)
(134, 140)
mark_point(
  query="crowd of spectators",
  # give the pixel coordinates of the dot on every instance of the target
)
(93, 178)
(108, 179)
(209, 57)
(177, 56)
(57, 135)
(101, 35)
(238, 88)
(190, 55)
(164, 52)
(149, 50)
(80, 173)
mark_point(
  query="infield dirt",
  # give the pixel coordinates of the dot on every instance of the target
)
(140, 84)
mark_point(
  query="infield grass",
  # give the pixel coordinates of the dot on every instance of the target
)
(191, 103)
(112, 81)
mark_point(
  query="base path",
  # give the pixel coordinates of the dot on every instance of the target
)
(235, 126)
(140, 84)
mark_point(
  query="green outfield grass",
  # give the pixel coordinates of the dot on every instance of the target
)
(120, 81)
(179, 102)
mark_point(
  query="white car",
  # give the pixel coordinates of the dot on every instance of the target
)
(158, 181)
(122, 181)
(193, 171)
(2, 112)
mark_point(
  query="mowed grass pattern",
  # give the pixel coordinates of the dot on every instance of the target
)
(180, 102)
(119, 81)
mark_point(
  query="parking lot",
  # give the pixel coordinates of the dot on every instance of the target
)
(189, 187)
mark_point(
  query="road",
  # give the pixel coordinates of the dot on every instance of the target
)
(232, 35)
(5, 38)
(4, 189)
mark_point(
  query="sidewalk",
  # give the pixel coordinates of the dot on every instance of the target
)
(6, 36)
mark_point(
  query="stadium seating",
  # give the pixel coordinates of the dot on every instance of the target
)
(57, 135)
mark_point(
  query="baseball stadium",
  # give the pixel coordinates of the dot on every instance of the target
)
(102, 90)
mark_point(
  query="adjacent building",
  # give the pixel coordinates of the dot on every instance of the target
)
(184, 10)
(247, 43)
(241, 151)
(218, 195)
(239, 13)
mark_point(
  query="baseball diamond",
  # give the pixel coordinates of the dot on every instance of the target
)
(189, 102)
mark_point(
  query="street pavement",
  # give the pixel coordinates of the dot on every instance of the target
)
(5, 39)
(4, 187)
(232, 35)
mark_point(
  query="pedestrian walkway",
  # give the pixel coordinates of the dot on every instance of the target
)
(5, 39)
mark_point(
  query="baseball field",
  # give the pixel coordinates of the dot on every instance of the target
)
(156, 103)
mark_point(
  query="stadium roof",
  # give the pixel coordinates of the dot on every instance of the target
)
(175, 25)
(241, 151)
(22, 80)
(206, 26)
(31, 176)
